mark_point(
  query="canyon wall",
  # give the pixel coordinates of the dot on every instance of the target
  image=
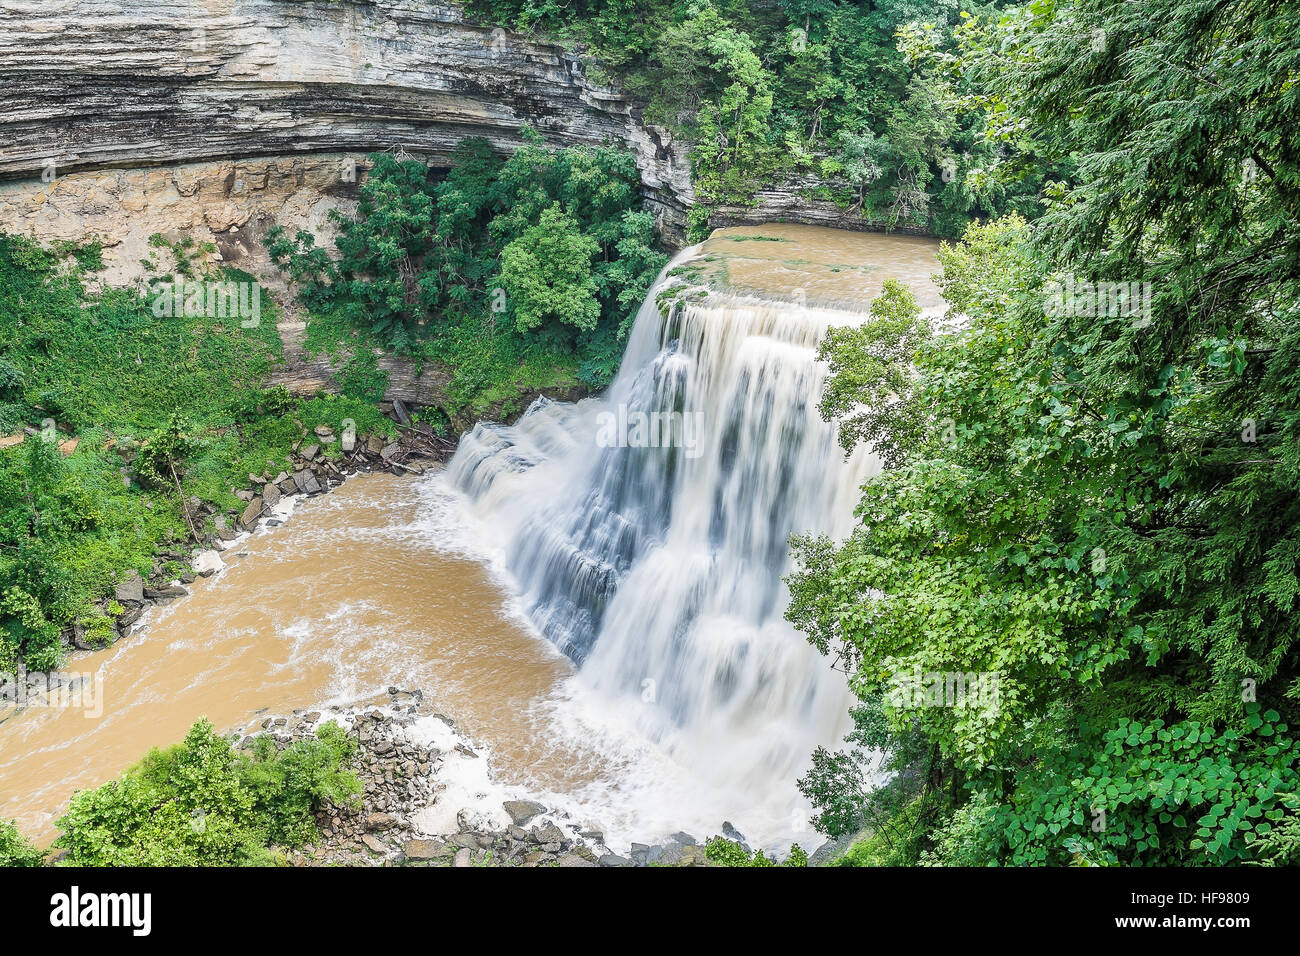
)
(103, 84)
(215, 119)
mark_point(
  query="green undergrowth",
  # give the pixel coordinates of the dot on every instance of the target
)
(162, 409)
(202, 803)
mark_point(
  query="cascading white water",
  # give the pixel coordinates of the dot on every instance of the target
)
(657, 565)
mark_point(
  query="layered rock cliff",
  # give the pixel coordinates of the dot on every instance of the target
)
(215, 119)
(98, 84)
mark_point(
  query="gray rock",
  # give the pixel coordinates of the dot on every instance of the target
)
(572, 859)
(254, 511)
(389, 451)
(131, 616)
(463, 857)
(270, 496)
(549, 833)
(466, 840)
(306, 482)
(521, 811)
(131, 589)
(685, 839)
(639, 853)
(310, 452)
(613, 859)
(671, 853)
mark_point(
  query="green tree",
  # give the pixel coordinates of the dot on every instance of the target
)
(547, 275)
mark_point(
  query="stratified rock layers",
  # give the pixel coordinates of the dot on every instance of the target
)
(103, 84)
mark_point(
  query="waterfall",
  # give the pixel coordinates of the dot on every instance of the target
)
(647, 535)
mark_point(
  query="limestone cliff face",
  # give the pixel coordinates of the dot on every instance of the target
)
(102, 84)
(216, 119)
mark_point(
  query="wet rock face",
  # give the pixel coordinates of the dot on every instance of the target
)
(101, 84)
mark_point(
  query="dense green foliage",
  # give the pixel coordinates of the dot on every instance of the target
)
(201, 803)
(513, 273)
(723, 852)
(843, 94)
(1093, 500)
(15, 849)
(181, 396)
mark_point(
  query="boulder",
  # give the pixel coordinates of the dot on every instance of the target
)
(692, 855)
(270, 496)
(427, 850)
(731, 833)
(310, 452)
(521, 811)
(613, 859)
(168, 593)
(130, 617)
(549, 833)
(572, 859)
(130, 590)
(463, 857)
(254, 511)
(306, 482)
(668, 854)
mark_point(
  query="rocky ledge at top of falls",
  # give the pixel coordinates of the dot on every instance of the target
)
(402, 776)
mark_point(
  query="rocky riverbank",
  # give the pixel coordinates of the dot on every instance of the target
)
(406, 753)
(320, 462)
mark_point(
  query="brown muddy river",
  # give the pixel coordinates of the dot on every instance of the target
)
(391, 581)
(354, 593)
